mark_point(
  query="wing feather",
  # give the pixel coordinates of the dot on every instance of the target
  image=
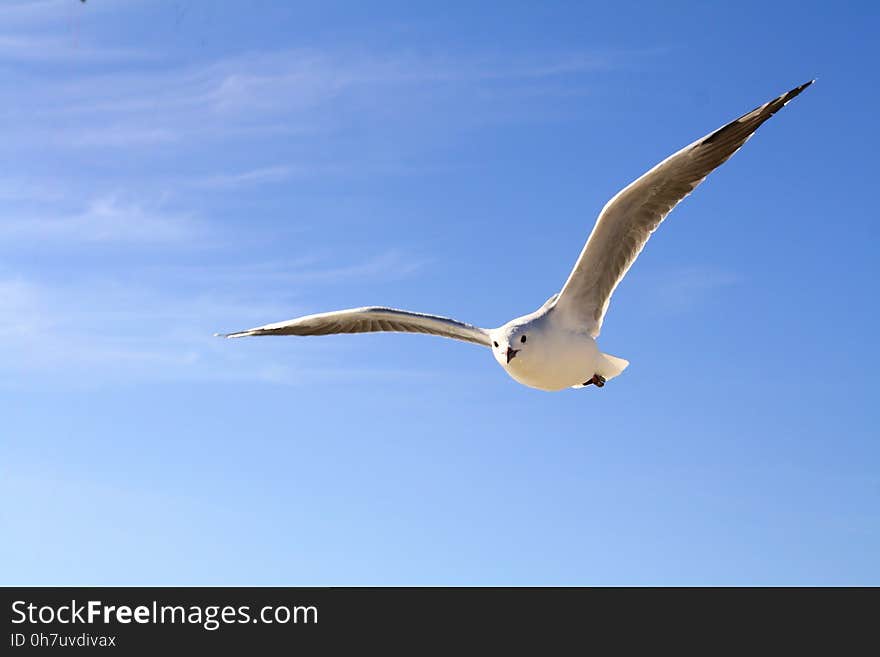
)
(371, 319)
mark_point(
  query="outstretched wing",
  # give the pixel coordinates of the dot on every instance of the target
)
(371, 319)
(627, 220)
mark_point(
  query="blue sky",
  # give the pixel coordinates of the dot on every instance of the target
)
(173, 169)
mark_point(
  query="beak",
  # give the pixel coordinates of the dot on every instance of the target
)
(511, 354)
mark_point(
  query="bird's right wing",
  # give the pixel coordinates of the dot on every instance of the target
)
(371, 319)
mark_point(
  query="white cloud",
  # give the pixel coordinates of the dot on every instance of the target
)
(142, 323)
(253, 177)
(681, 289)
(317, 269)
(122, 135)
(21, 313)
(94, 332)
(34, 11)
(105, 219)
(49, 48)
(294, 92)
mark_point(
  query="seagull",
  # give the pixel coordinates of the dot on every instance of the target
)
(554, 347)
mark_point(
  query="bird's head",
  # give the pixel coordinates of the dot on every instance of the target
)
(513, 345)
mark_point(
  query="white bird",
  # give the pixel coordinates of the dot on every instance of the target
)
(555, 347)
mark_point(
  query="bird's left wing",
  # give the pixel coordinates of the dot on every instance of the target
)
(371, 319)
(627, 220)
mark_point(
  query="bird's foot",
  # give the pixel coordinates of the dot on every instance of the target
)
(597, 381)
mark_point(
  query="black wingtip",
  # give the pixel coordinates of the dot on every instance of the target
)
(787, 96)
(762, 113)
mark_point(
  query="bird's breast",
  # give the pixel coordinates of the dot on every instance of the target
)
(555, 361)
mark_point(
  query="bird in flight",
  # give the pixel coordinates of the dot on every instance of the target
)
(554, 347)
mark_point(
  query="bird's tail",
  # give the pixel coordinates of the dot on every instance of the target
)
(610, 366)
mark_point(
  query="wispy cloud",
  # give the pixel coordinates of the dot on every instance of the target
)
(104, 332)
(15, 47)
(308, 171)
(54, 31)
(287, 91)
(151, 324)
(390, 264)
(20, 311)
(254, 177)
(105, 219)
(34, 11)
(682, 289)
(122, 135)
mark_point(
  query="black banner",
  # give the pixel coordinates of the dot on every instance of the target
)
(150, 620)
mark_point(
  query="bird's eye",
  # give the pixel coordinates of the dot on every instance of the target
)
(495, 343)
(522, 339)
